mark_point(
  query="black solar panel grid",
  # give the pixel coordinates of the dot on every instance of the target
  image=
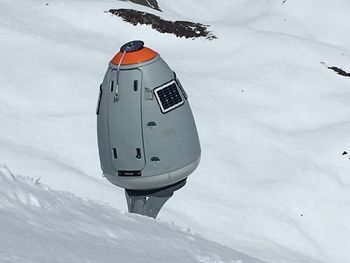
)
(169, 96)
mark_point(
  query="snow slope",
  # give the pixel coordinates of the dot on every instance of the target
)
(42, 225)
(272, 119)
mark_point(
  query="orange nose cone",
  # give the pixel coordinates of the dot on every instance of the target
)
(134, 57)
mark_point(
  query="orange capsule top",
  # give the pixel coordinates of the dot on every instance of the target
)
(133, 53)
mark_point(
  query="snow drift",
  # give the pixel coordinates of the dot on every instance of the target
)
(42, 225)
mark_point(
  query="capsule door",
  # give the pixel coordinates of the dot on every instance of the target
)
(125, 125)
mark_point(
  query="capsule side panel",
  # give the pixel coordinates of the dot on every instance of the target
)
(172, 143)
(102, 127)
(124, 119)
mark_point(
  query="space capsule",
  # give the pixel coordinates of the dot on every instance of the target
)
(147, 137)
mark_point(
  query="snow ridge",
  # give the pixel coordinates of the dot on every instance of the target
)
(42, 225)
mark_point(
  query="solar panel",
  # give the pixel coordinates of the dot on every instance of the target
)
(168, 96)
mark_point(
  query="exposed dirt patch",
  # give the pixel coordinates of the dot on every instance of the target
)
(178, 28)
(340, 71)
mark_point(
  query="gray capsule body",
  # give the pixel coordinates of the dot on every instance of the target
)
(147, 136)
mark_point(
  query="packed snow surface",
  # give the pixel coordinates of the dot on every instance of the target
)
(42, 225)
(273, 122)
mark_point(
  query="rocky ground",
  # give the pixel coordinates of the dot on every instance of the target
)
(178, 28)
(150, 3)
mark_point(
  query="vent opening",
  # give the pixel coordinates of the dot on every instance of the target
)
(115, 155)
(151, 124)
(138, 153)
(155, 159)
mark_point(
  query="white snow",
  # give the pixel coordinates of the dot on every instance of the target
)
(273, 123)
(42, 225)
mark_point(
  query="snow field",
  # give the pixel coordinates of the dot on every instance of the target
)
(272, 119)
(42, 225)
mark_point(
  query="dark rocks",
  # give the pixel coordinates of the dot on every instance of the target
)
(150, 3)
(178, 28)
(340, 71)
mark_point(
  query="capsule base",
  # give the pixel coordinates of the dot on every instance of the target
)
(153, 182)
